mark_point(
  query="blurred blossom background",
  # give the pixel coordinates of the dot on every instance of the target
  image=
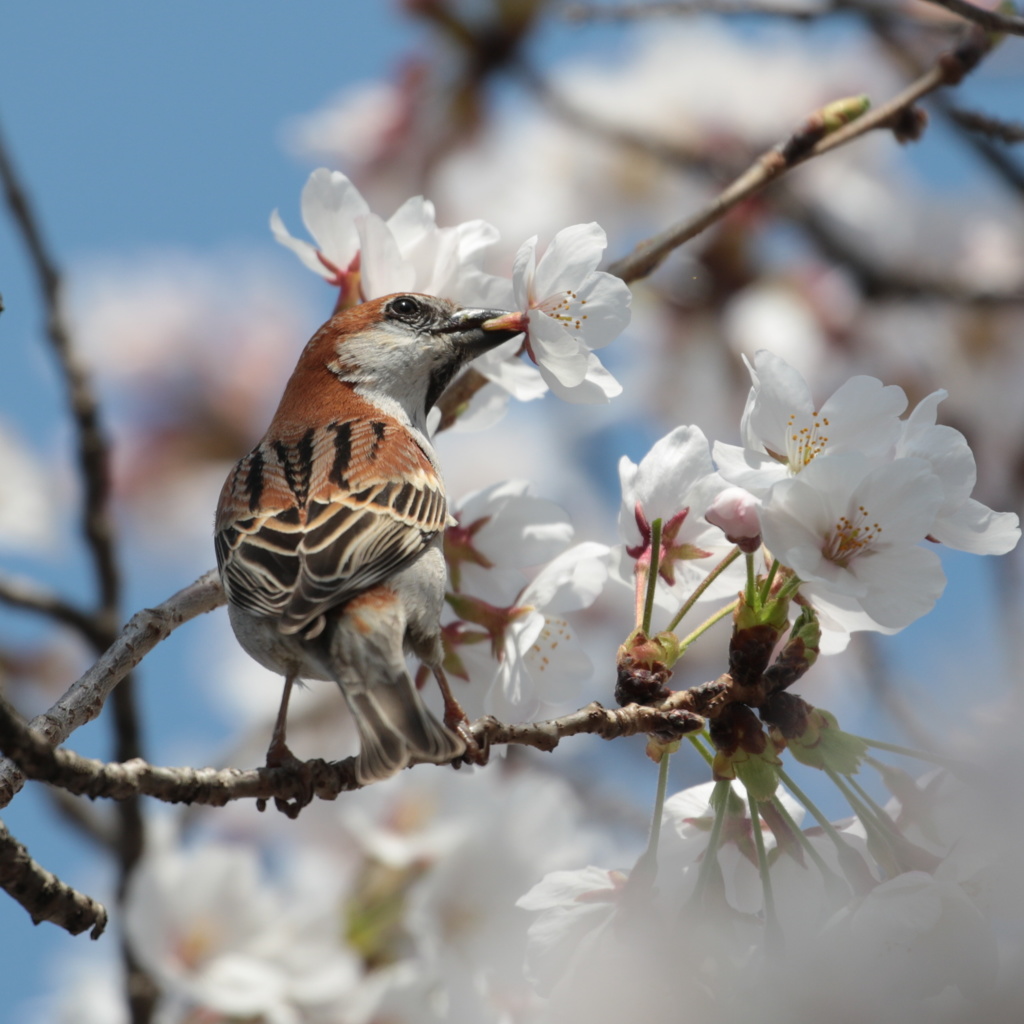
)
(155, 141)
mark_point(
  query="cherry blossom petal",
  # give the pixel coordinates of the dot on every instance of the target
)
(330, 205)
(570, 582)
(383, 270)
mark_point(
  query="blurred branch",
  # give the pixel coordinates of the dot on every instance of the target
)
(97, 527)
(994, 21)
(669, 152)
(43, 895)
(637, 12)
(1005, 131)
(27, 594)
(456, 397)
(997, 159)
(86, 817)
(92, 443)
(992, 153)
(84, 700)
(878, 277)
(810, 141)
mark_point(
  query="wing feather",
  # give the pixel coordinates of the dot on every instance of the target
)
(307, 523)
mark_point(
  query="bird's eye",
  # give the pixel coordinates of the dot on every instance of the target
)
(404, 306)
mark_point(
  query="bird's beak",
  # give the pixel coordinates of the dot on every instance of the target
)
(480, 330)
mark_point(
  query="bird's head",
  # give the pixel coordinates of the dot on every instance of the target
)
(406, 348)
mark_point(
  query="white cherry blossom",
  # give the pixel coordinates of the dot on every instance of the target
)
(677, 483)
(540, 663)
(543, 662)
(410, 253)
(961, 522)
(501, 530)
(221, 938)
(851, 529)
(571, 906)
(572, 309)
(783, 431)
(366, 256)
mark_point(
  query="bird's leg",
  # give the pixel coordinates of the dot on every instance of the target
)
(279, 756)
(278, 752)
(458, 721)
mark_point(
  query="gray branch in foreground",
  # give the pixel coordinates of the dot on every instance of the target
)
(43, 895)
(85, 699)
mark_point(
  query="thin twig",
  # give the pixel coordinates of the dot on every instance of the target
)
(997, 158)
(84, 700)
(43, 895)
(648, 255)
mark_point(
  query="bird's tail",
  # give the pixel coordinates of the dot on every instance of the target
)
(367, 659)
(395, 727)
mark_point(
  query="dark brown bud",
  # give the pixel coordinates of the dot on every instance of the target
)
(737, 728)
(636, 685)
(749, 651)
(909, 124)
(787, 713)
(793, 661)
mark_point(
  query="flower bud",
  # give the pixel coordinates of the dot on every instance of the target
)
(735, 512)
(823, 744)
(644, 667)
(799, 654)
(744, 751)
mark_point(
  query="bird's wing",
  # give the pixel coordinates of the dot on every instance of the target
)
(306, 524)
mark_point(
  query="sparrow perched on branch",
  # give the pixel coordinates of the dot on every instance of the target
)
(329, 532)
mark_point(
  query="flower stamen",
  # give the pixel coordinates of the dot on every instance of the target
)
(805, 444)
(851, 537)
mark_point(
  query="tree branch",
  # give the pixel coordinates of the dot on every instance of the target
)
(297, 783)
(997, 158)
(802, 146)
(84, 700)
(43, 895)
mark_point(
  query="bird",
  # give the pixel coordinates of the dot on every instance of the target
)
(329, 532)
